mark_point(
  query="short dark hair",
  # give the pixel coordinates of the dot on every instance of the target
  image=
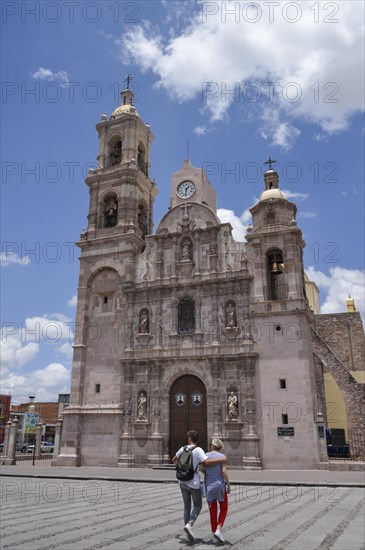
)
(194, 436)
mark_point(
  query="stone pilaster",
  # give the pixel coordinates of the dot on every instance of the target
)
(252, 459)
(11, 447)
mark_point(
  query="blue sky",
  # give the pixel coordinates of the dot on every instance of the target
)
(240, 81)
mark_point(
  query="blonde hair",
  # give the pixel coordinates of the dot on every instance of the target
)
(217, 444)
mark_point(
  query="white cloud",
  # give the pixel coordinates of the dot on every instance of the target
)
(307, 215)
(44, 383)
(280, 134)
(61, 77)
(20, 342)
(238, 223)
(50, 329)
(15, 353)
(296, 196)
(346, 194)
(338, 285)
(66, 349)
(306, 70)
(72, 302)
(55, 375)
(200, 130)
(10, 258)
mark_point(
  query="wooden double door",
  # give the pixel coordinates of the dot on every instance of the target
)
(188, 411)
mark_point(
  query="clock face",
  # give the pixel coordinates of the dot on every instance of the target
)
(186, 189)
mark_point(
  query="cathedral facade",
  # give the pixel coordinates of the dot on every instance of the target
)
(185, 328)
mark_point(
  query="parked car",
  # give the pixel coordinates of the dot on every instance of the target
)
(22, 447)
(47, 447)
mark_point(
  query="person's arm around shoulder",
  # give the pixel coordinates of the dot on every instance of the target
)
(213, 461)
(175, 457)
(226, 478)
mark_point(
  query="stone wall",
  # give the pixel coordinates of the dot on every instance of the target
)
(344, 334)
(352, 391)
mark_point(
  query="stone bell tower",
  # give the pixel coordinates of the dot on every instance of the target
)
(121, 192)
(282, 319)
(120, 216)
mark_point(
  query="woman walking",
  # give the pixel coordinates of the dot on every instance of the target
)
(217, 488)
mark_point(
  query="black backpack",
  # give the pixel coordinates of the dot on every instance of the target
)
(184, 467)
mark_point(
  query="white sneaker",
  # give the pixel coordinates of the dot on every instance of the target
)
(189, 532)
(218, 535)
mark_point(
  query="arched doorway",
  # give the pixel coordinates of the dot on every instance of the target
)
(188, 411)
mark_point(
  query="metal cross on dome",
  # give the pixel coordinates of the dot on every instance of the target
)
(128, 80)
(270, 162)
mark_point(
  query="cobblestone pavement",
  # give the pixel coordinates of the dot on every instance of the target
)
(87, 514)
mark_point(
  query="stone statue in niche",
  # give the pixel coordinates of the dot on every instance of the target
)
(142, 406)
(116, 154)
(232, 403)
(111, 212)
(144, 322)
(186, 250)
(231, 318)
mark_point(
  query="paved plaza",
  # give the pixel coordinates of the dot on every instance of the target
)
(45, 513)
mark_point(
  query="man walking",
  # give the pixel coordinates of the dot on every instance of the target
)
(190, 490)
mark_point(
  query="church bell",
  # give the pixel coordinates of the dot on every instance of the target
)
(275, 269)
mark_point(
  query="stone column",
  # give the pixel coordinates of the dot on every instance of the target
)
(6, 438)
(57, 441)
(213, 247)
(197, 255)
(125, 459)
(252, 459)
(38, 440)
(156, 456)
(159, 260)
(216, 372)
(174, 314)
(174, 257)
(322, 440)
(215, 317)
(198, 307)
(11, 447)
(94, 223)
(165, 411)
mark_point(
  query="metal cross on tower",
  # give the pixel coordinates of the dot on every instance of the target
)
(128, 80)
(270, 162)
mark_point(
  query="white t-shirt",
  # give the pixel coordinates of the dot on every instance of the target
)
(198, 457)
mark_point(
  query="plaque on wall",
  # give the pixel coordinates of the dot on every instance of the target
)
(285, 432)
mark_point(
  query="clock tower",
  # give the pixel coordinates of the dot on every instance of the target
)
(190, 184)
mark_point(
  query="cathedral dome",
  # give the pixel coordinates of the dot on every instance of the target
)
(272, 194)
(122, 109)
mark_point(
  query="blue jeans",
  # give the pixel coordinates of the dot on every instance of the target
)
(189, 494)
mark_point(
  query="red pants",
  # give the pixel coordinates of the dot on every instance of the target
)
(213, 510)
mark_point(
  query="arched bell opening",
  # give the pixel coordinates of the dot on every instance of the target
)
(115, 151)
(109, 211)
(141, 159)
(276, 287)
(143, 219)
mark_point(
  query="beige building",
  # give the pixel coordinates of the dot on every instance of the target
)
(186, 328)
